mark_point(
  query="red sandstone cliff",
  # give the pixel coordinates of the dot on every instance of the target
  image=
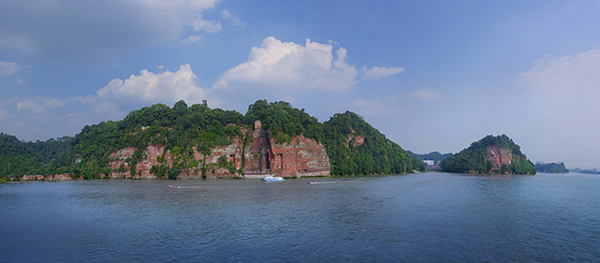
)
(257, 155)
(301, 157)
(499, 156)
(55, 178)
(252, 155)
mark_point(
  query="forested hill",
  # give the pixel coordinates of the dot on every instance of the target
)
(490, 155)
(551, 167)
(434, 156)
(353, 146)
(40, 157)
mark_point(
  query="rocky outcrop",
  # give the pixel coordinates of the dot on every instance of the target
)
(121, 167)
(302, 157)
(500, 156)
(355, 139)
(48, 178)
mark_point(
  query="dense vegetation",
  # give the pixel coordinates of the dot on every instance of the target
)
(551, 167)
(19, 158)
(378, 155)
(181, 129)
(434, 156)
(473, 159)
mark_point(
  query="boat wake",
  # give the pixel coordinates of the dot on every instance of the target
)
(311, 182)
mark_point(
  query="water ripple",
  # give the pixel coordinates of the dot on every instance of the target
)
(426, 217)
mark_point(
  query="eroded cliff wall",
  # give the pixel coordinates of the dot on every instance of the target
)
(253, 154)
(302, 157)
(500, 156)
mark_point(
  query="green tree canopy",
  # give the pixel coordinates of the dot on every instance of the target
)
(474, 158)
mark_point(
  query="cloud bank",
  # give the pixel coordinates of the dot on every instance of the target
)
(564, 103)
(569, 83)
(74, 29)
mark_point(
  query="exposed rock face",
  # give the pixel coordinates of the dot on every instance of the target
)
(302, 157)
(55, 178)
(142, 168)
(499, 157)
(255, 152)
(354, 139)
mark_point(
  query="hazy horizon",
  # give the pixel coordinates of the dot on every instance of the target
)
(430, 75)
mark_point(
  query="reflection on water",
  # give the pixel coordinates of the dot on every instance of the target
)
(425, 217)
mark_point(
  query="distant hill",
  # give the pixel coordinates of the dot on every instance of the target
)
(435, 156)
(40, 157)
(551, 167)
(490, 155)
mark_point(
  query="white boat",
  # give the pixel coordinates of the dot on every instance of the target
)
(271, 178)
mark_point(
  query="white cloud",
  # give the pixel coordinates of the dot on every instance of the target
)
(29, 105)
(21, 81)
(148, 87)
(233, 20)
(192, 39)
(377, 73)
(9, 68)
(94, 29)
(425, 94)
(208, 26)
(287, 66)
(333, 42)
(39, 105)
(565, 85)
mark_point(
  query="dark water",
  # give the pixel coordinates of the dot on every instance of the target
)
(426, 217)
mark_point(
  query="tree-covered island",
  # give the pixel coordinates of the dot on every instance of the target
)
(551, 167)
(490, 155)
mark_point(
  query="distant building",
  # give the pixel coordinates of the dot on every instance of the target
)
(428, 162)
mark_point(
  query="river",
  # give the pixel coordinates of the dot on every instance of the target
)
(431, 217)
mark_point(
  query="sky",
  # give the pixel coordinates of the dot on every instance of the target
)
(430, 75)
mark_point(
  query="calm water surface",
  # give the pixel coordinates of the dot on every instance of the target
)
(425, 217)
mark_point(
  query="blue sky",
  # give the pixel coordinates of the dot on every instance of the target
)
(431, 75)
